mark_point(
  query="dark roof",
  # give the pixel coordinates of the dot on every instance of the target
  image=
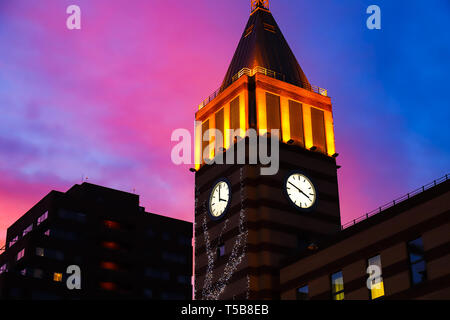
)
(263, 45)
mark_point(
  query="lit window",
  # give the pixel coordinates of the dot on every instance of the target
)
(40, 252)
(57, 277)
(23, 272)
(110, 245)
(377, 289)
(108, 286)
(302, 293)
(111, 224)
(27, 230)
(13, 241)
(417, 261)
(3, 269)
(109, 265)
(42, 218)
(20, 255)
(47, 233)
(337, 286)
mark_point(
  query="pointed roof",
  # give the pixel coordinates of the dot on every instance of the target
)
(263, 45)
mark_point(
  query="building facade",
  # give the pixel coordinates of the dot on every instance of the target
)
(409, 242)
(122, 252)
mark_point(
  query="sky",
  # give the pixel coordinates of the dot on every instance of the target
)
(103, 101)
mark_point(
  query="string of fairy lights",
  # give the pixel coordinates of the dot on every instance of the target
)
(212, 291)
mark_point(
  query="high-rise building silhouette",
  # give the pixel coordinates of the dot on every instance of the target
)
(122, 251)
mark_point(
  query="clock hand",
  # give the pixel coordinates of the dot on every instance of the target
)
(299, 190)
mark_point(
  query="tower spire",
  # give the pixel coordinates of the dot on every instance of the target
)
(260, 4)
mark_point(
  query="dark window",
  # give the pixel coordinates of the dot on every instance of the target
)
(296, 122)
(72, 215)
(318, 130)
(417, 261)
(166, 236)
(302, 242)
(273, 112)
(174, 257)
(183, 279)
(302, 293)
(148, 293)
(221, 250)
(172, 296)
(157, 274)
(184, 241)
(337, 286)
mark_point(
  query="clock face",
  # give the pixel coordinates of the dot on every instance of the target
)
(219, 199)
(300, 191)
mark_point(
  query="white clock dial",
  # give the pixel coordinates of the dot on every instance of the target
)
(301, 191)
(219, 199)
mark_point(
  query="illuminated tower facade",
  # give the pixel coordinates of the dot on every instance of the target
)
(247, 223)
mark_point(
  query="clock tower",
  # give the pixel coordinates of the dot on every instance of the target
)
(247, 223)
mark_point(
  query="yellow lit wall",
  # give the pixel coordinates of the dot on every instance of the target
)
(198, 144)
(329, 130)
(261, 111)
(307, 125)
(285, 123)
(243, 125)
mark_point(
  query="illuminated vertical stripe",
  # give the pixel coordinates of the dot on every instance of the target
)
(242, 117)
(212, 138)
(329, 129)
(285, 120)
(198, 144)
(261, 107)
(307, 126)
(226, 140)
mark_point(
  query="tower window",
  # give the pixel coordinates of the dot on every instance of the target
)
(417, 261)
(273, 112)
(337, 286)
(269, 27)
(377, 289)
(248, 31)
(302, 293)
(318, 129)
(296, 122)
